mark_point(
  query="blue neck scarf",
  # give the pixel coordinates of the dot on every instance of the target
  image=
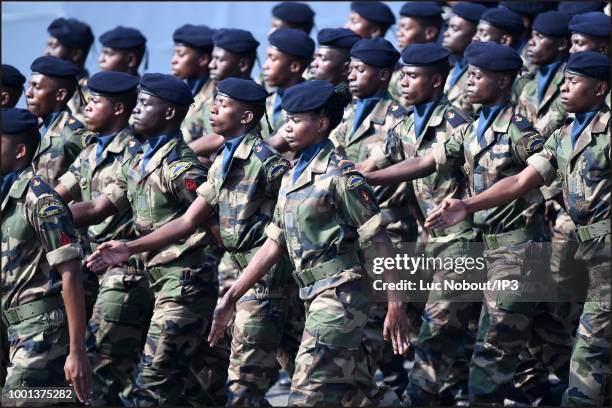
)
(458, 69)
(7, 182)
(152, 145)
(306, 156)
(195, 85)
(580, 123)
(230, 147)
(422, 113)
(102, 143)
(277, 108)
(47, 122)
(486, 117)
(364, 107)
(544, 75)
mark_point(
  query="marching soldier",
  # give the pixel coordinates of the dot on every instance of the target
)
(292, 15)
(369, 19)
(12, 86)
(123, 49)
(332, 56)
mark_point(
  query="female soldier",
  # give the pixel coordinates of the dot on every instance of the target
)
(323, 212)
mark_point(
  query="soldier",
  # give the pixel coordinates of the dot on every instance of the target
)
(159, 184)
(457, 36)
(123, 49)
(118, 326)
(332, 56)
(590, 32)
(248, 167)
(528, 11)
(322, 213)
(193, 47)
(494, 147)
(579, 7)
(70, 40)
(292, 15)
(579, 151)
(369, 19)
(12, 86)
(40, 263)
(289, 53)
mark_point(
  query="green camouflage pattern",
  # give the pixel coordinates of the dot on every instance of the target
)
(75, 104)
(282, 117)
(195, 124)
(395, 88)
(457, 94)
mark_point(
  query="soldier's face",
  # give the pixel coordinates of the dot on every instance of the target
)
(542, 49)
(486, 32)
(581, 42)
(410, 31)
(458, 35)
(225, 115)
(302, 130)
(329, 64)
(187, 62)
(417, 85)
(481, 85)
(224, 64)
(580, 94)
(364, 80)
(150, 115)
(114, 60)
(277, 68)
(99, 113)
(361, 26)
(41, 95)
(56, 49)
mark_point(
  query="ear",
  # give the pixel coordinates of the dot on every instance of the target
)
(244, 64)
(437, 80)
(295, 66)
(170, 113)
(503, 82)
(506, 39)
(204, 60)
(324, 124)
(376, 32)
(385, 74)
(20, 151)
(603, 47)
(431, 33)
(247, 117)
(76, 55)
(5, 98)
(118, 108)
(132, 60)
(601, 88)
(563, 45)
(61, 95)
(346, 69)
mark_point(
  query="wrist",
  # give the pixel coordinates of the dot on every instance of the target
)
(77, 349)
(131, 246)
(469, 205)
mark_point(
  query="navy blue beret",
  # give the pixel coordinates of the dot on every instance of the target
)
(54, 66)
(427, 9)
(425, 55)
(293, 42)
(593, 23)
(504, 19)
(493, 56)
(196, 36)
(294, 13)
(167, 87)
(377, 52)
(11, 76)
(553, 23)
(579, 7)
(123, 38)
(16, 121)
(112, 83)
(306, 96)
(374, 11)
(71, 32)
(337, 37)
(589, 64)
(527, 8)
(245, 90)
(469, 11)
(235, 40)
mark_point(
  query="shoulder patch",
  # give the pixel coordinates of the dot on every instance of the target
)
(354, 181)
(396, 110)
(53, 207)
(179, 168)
(74, 124)
(39, 186)
(276, 168)
(521, 122)
(535, 144)
(454, 118)
(134, 146)
(336, 158)
(262, 150)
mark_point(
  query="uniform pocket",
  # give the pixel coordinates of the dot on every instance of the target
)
(335, 354)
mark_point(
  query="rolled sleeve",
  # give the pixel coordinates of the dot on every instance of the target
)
(439, 154)
(65, 253)
(71, 182)
(207, 191)
(543, 165)
(371, 227)
(117, 196)
(276, 234)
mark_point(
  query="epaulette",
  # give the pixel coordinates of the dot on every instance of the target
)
(173, 155)
(396, 110)
(262, 150)
(521, 122)
(454, 117)
(336, 158)
(134, 146)
(39, 186)
(74, 124)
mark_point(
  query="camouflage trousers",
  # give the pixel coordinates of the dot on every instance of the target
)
(589, 378)
(331, 364)
(266, 333)
(38, 348)
(176, 351)
(117, 331)
(508, 324)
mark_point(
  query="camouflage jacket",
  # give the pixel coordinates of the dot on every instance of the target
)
(430, 191)
(195, 124)
(282, 117)
(584, 172)
(502, 152)
(323, 217)
(75, 104)
(457, 93)
(161, 193)
(37, 235)
(86, 180)
(548, 115)
(367, 141)
(246, 198)
(59, 147)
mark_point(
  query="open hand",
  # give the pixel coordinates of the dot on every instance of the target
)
(396, 327)
(108, 254)
(450, 212)
(78, 373)
(221, 319)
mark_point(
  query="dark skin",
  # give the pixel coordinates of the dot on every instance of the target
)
(579, 94)
(303, 130)
(56, 49)
(330, 64)
(15, 156)
(367, 80)
(188, 62)
(487, 32)
(413, 31)
(582, 42)
(112, 59)
(281, 70)
(458, 35)
(10, 96)
(363, 27)
(543, 49)
(46, 95)
(278, 23)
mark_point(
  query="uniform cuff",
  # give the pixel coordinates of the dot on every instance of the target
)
(207, 192)
(117, 196)
(372, 226)
(380, 158)
(65, 253)
(71, 182)
(276, 234)
(543, 166)
(439, 154)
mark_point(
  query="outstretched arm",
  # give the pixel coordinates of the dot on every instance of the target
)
(406, 170)
(207, 144)
(93, 212)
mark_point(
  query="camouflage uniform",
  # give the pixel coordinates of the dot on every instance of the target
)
(37, 235)
(515, 250)
(75, 104)
(445, 341)
(282, 117)
(585, 174)
(245, 201)
(320, 220)
(195, 124)
(183, 276)
(457, 93)
(395, 88)
(117, 329)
